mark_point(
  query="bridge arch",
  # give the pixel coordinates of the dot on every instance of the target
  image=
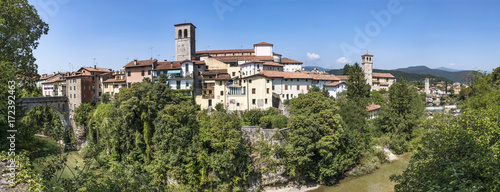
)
(59, 104)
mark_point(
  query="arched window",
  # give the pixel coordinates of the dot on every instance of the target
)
(185, 33)
(180, 33)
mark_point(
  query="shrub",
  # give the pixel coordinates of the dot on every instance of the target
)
(279, 121)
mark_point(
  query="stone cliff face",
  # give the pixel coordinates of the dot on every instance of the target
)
(254, 134)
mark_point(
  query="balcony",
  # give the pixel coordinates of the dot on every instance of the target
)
(208, 86)
(207, 96)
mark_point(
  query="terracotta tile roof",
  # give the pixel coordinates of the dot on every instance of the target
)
(288, 60)
(114, 80)
(324, 77)
(214, 72)
(343, 77)
(165, 66)
(334, 84)
(226, 51)
(223, 76)
(383, 75)
(253, 61)
(140, 63)
(258, 74)
(372, 107)
(384, 84)
(276, 54)
(57, 79)
(375, 81)
(91, 69)
(367, 55)
(286, 75)
(263, 43)
(234, 59)
(273, 64)
(199, 62)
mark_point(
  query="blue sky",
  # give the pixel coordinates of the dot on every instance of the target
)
(459, 34)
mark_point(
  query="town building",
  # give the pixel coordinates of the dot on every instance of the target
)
(373, 110)
(377, 81)
(137, 71)
(112, 82)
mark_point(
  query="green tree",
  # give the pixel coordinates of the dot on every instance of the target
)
(402, 115)
(20, 29)
(317, 146)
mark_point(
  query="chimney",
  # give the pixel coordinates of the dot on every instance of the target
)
(165, 60)
(135, 61)
(94, 66)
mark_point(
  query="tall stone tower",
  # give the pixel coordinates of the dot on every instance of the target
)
(427, 91)
(367, 66)
(185, 41)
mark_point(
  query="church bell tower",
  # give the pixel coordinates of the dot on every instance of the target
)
(367, 66)
(185, 41)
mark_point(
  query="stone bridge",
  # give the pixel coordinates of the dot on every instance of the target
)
(59, 104)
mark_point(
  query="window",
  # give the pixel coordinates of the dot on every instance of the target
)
(128, 73)
(70, 96)
(267, 90)
(298, 87)
(185, 33)
(286, 87)
(234, 73)
(253, 90)
(74, 106)
(220, 83)
(129, 84)
(307, 87)
(99, 94)
(253, 101)
(70, 88)
(273, 87)
(238, 104)
(149, 72)
(265, 101)
(286, 79)
(74, 95)
(116, 86)
(187, 85)
(179, 35)
(74, 87)
(142, 72)
(267, 81)
(250, 81)
(221, 92)
(105, 85)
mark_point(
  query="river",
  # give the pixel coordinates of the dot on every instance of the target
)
(373, 182)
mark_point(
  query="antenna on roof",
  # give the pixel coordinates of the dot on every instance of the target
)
(151, 52)
(126, 60)
(94, 61)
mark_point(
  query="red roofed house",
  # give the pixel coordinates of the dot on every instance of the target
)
(373, 110)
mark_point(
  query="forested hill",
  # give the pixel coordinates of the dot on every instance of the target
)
(400, 75)
(455, 76)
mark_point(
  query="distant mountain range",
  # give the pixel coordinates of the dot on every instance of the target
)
(400, 75)
(413, 73)
(451, 74)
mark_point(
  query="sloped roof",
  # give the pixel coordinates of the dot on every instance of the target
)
(383, 75)
(262, 43)
(223, 76)
(91, 69)
(165, 66)
(334, 84)
(53, 80)
(372, 107)
(325, 77)
(214, 72)
(234, 59)
(288, 60)
(343, 77)
(273, 64)
(140, 63)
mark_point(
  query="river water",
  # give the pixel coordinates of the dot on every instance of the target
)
(378, 181)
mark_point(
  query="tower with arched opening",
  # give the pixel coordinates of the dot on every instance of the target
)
(185, 41)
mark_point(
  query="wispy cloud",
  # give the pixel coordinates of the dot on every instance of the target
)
(313, 56)
(343, 60)
(451, 64)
